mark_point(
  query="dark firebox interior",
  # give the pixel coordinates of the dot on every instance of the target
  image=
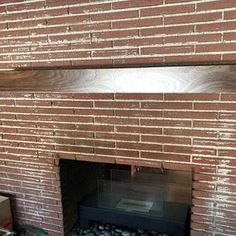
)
(80, 178)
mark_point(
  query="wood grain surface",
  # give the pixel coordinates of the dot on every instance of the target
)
(183, 79)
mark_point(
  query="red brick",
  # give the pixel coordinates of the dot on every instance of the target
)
(138, 113)
(190, 132)
(138, 61)
(116, 136)
(167, 50)
(229, 57)
(32, 117)
(114, 34)
(166, 105)
(53, 111)
(115, 53)
(164, 139)
(137, 23)
(89, 27)
(189, 150)
(220, 4)
(162, 10)
(114, 15)
(68, 19)
(117, 104)
(93, 45)
(27, 24)
(8, 130)
(176, 1)
(135, 4)
(214, 125)
(219, 26)
(170, 123)
(228, 153)
(94, 96)
(193, 38)
(7, 102)
(73, 134)
(35, 131)
(215, 106)
(227, 134)
(190, 59)
(94, 112)
(48, 48)
(54, 3)
(116, 152)
(228, 97)
(191, 96)
(139, 130)
(21, 151)
(64, 38)
(72, 104)
(138, 41)
(191, 18)
(230, 15)
(32, 103)
(90, 8)
(16, 123)
(139, 146)
(83, 127)
(214, 143)
(221, 47)
(92, 63)
(229, 36)
(165, 156)
(25, 6)
(138, 96)
(190, 115)
(95, 143)
(58, 55)
(74, 149)
(116, 121)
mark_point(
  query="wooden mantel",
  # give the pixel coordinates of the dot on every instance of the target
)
(182, 79)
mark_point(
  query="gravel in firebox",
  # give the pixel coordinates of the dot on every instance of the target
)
(102, 229)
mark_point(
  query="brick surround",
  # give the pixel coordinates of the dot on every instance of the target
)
(182, 131)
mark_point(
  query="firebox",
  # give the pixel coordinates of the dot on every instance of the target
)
(148, 199)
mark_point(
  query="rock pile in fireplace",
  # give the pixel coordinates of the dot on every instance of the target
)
(101, 229)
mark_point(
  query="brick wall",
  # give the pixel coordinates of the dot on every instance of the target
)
(182, 131)
(71, 33)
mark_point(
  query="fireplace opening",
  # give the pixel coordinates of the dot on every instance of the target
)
(111, 199)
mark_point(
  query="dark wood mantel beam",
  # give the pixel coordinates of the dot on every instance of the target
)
(182, 79)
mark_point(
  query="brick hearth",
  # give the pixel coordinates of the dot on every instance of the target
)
(182, 131)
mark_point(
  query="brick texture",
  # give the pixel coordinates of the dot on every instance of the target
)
(49, 33)
(179, 131)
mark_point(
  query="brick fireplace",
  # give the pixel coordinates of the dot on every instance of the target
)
(183, 131)
(180, 131)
